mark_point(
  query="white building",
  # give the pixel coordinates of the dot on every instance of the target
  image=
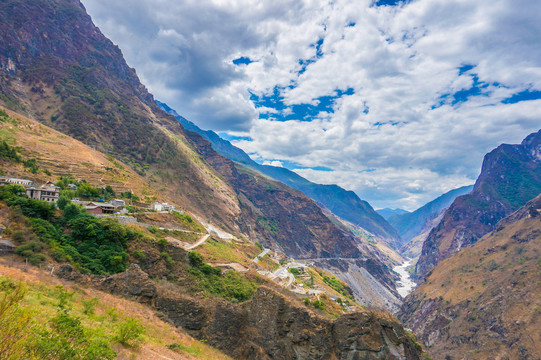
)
(7, 180)
(118, 203)
(163, 206)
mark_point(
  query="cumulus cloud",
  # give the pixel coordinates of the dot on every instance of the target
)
(422, 86)
(273, 163)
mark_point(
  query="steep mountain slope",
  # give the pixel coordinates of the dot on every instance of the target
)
(345, 204)
(62, 155)
(286, 220)
(388, 212)
(510, 176)
(484, 302)
(57, 67)
(414, 247)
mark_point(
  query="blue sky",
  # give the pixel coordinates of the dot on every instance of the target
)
(396, 100)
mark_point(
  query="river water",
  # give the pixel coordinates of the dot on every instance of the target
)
(405, 285)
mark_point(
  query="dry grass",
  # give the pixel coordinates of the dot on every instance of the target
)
(159, 334)
(63, 155)
(497, 278)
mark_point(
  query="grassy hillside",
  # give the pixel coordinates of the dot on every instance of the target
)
(48, 315)
(62, 155)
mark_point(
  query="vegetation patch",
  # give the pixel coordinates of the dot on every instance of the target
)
(230, 285)
(91, 244)
(337, 286)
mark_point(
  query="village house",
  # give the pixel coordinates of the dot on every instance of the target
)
(72, 186)
(118, 203)
(163, 206)
(48, 192)
(98, 208)
(7, 180)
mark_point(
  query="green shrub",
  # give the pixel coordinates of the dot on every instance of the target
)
(162, 243)
(9, 152)
(294, 271)
(196, 260)
(140, 255)
(68, 339)
(89, 306)
(168, 260)
(231, 286)
(318, 304)
(113, 314)
(129, 332)
(62, 202)
(337, 286)
(14, 321)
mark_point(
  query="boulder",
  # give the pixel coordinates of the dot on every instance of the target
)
(133, 282)
(6, 247)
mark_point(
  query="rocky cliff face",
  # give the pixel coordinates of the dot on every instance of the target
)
(510, 176)
(271, 325)
(483, 302)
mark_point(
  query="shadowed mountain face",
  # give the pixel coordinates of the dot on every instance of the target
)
(510, 176)
(343, 203)
(483, 302)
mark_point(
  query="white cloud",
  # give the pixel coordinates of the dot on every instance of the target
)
(273, 163)
(401, 62)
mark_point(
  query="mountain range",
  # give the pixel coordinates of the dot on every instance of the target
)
(343, 203)
(388, 212)
(71, 109)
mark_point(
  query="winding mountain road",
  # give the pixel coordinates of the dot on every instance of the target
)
(198, 242)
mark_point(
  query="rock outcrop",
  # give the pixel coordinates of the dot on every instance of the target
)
(269, 326)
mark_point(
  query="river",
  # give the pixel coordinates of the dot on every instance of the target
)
(405, 285)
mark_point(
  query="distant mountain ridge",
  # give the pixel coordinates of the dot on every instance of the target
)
(510, 177)
(388, 212)
(343, 203)
(411, 224)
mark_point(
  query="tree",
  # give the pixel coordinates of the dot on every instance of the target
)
(62, 202)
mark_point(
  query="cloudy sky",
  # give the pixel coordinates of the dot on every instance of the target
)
(398, 101)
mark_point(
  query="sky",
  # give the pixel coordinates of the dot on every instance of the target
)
(395, 100)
